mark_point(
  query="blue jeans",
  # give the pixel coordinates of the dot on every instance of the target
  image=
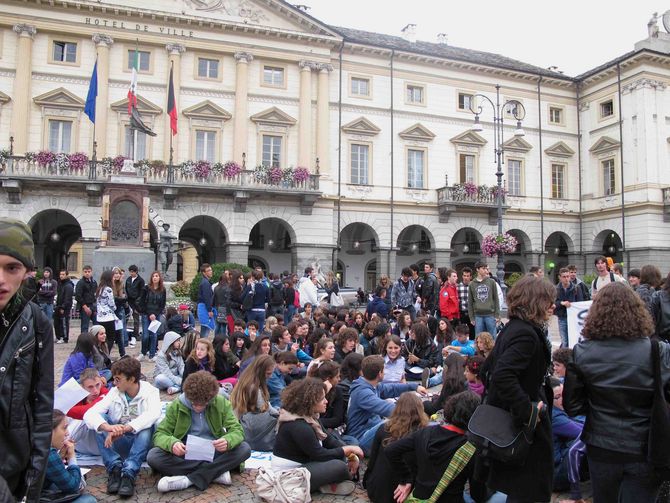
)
(161, 381)
(365, 441)
(435, 380)
(149, 339)
(258, 316)
(485, 324)
(121, 314)
(127, 452)
(85, 498)
(48, 310)
(563, 331)
(221, 329)
(85, 320)
(288, 314)
(623, 482)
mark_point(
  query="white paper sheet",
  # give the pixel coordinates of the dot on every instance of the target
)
(154, 326)
(68, 395)
(199, 449)
(118, 324)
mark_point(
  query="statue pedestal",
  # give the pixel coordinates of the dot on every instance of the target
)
(110, 256)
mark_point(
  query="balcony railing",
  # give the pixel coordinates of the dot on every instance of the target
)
(20, 167)
(458, 196)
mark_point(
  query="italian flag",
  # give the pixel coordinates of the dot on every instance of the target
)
(132, 90)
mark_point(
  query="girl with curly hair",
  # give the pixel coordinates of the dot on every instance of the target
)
(484, 343)
(302, 442)
(408, 416)
(611, 381)
(473, 365)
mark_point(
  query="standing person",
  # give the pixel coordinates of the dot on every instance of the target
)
(377, 305)
(276, 296)
(308, 291)
(385, 282)
(64, 295)
(261, 294)
(604, 277)
(290, 295)
(46, 291)
(125, 420)
(516, 382)
(29, 285)
(430, 292)
(660, 310)
(202, 412)
(84, 294)
(483, 301)
(121, 301)
(536, 271)
(634, 278)
(586, 295)
(566, 294)
(205, 299)
(134, 289)
(650, 281)
(403, 294)
(331, 287)
(222, 302)
(612, 382)
(106, 311)
(153, 306)
(449, 300)
(462, 287)
(27, 384)
(237, 288)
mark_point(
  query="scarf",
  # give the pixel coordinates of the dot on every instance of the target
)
(287, 417)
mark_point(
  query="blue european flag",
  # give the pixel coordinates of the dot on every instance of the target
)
(89, 108)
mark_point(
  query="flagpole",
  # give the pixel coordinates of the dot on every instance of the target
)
(137, 65)
(92, 172)
(170, 167)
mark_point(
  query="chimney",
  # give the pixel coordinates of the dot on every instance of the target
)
(409, 33)
(442, 38)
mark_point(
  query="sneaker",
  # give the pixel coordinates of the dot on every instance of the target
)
(424, 377)
(60, 341)
(132, 342)
(224, 479)
(152, 359)
(176, 483)
(114, 481)
(172, 390)
(127, 486)
(140, 358)
(342, 489)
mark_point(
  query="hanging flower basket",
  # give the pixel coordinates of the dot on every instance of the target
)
(187, 168)
(300, 174)
(493, 244)
(275, 175)
(231, 169)
(62, 162)
(202, 169)
(45, 157)
(470, 189)
(78, 160)
(117, 163)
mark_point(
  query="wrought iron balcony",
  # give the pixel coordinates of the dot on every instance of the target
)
(468, 197)
(666, 204)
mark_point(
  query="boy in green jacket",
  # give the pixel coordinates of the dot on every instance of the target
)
(199, 411)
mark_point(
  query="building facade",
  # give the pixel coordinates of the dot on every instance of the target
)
(383, 125)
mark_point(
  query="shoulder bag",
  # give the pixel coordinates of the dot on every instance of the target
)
(658, 451)
(458, 462)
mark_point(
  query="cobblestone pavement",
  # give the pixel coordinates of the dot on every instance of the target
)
(243, 486)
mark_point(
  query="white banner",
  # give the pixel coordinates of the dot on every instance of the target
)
(576, 315)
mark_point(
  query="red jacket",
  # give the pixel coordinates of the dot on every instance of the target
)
(449, 302)
(78, 411)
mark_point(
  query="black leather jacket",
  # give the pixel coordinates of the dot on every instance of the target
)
(26, 400)
(660, 310)
(611, 381)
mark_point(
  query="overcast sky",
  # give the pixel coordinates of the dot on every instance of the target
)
(574, 35)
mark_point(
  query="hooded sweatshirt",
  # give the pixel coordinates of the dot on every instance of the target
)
(368, 405)
(47, 288)
(169, 361)
(483, 298)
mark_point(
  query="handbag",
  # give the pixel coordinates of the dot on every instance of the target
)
(658, 450)
(284, 486)
(458, 462)
(336, 300)
(493, 431)
(248, 300)
(221, 316)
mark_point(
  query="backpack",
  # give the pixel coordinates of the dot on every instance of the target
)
(276, 295)
(594, 285)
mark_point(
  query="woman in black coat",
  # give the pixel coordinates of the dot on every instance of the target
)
(516, 373)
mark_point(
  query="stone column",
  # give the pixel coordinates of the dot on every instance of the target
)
(238, 253)
(21, 94)
(305, 120)
(241, 114)
(175, 51)
(323, 120)
(102, 44)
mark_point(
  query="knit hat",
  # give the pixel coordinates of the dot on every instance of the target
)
(16, 240)
(95, 330)
(183, 307)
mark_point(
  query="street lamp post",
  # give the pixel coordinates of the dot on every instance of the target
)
(518, 112)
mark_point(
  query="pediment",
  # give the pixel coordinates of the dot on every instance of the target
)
(361, 126)
(517, 144)
(60, 98)
(275, 14)
(469, 138)
(4, 98)
(417, 132)
(207, 110)
(559, 149)
(273, 117)
(144, 106)
(604, 144)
